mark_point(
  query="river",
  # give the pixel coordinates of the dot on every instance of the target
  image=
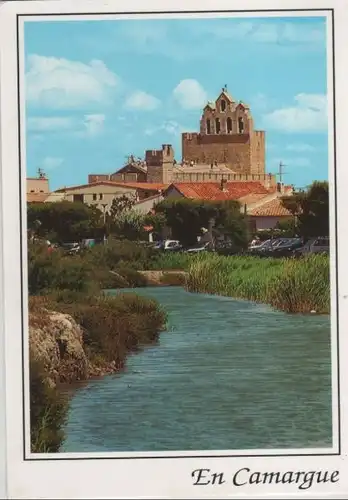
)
(227, 375)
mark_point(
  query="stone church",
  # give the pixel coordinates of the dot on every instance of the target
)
(226, 147)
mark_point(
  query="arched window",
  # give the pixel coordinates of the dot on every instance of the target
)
(223, 105)
(229, 125)
(208, 127)
(217, 126)
(240, 125)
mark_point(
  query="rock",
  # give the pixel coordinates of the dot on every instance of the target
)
(57, 340)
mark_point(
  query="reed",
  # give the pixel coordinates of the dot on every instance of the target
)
(175, 261)
(290, 285)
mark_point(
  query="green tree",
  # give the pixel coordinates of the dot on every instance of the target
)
(311, 209)
(129, 225)
(186, 218)
(64, 221)
(121, 204)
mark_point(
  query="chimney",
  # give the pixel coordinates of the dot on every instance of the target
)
(280, 187)
(223, 184)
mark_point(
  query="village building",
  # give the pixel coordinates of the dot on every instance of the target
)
(38, 188)
(101, 194)
(226, 147)
(225, 160)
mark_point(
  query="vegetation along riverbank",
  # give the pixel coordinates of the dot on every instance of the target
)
(77, 332)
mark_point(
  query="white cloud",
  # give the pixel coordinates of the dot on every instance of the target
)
(49, 123)
(190, 94)
(170, 127)
(268, 32)
(300, 148)
(61, 83)
(50, 162)
(308, 114)
(93, 124)
(142, 101)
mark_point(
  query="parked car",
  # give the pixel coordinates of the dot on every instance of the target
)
(168, 245)
(286, 248)
(71, 248)
(201, 247)
(314, 245)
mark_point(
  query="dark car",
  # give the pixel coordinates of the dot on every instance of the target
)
(287, 248)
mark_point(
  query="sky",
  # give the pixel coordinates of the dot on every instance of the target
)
(99, 90)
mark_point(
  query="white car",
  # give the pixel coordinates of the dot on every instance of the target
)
(172, 245)
(315, 245)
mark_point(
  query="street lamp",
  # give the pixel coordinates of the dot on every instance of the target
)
(104, 205)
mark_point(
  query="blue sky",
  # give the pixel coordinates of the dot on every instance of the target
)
(99, 90)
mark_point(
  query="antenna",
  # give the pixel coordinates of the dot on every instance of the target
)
(281, 172)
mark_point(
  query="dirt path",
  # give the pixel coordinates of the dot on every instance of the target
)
(155, 277)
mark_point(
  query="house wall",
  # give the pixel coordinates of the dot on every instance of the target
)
(267, 222)
(145, 206)
(99, 195)
(36, 185)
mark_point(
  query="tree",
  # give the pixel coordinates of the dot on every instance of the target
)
(130, 225)
(120, 204)
(186, 219)
(311, 209)
(64, 221)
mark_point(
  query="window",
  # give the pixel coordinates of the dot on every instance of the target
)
(223, 105)
(94, 196)
(240, 125)
(217, 126)
(78, 197)
(208, 127)
(100, 196)
(229, 125)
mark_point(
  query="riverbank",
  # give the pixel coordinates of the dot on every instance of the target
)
(249, 369)
(74, 338)
(289, 285)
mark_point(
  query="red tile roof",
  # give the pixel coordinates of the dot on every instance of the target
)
(148, 186)
(212, 190)
(273, 208)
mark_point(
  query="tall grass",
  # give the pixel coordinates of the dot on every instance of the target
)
(175, 261)
(290, 285)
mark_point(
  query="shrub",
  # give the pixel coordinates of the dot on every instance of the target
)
(120, 253)
(173, 279)
(54, 271)
(113, 325)
(48, 411)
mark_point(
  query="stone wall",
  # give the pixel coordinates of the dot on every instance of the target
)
(235, 151)
(258, 160)
(267, 180)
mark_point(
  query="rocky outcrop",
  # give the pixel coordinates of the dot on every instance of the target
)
(57, 341)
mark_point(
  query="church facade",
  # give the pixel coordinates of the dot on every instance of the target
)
(226, 147)
(226, 137)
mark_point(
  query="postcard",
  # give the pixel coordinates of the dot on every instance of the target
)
(173, 272)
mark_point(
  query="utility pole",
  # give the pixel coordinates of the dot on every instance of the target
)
(104, 205)
(281, 171)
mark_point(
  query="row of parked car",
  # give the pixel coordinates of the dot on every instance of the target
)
(290, 247)
(277, 247)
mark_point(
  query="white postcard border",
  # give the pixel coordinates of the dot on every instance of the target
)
(152, 474)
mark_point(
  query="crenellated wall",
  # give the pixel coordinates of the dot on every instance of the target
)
(268, 180)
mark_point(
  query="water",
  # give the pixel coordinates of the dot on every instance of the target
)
(227, 375)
